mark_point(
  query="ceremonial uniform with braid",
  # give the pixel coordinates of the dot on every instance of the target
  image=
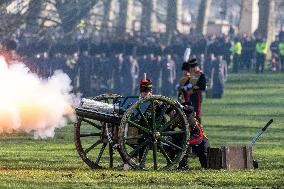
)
(197, 144)
(191, 86)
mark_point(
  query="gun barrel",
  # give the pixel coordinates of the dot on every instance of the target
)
(97, 110)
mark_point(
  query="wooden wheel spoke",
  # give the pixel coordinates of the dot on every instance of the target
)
(149, 130)
(93, 146)
(143, 117)
(89, 134)
(143, 158)
(161, 115)
(168, 133)
(155, 151)
(92, 123)
(165, 153)
(171, 144)
(139, 126)
(172, 121)
(110, 156)
(153, 114)
(101, 153)
(132, 153)
(92, 138)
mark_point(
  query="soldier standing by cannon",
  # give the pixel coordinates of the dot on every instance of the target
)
(198, 142)
(191, 85)
(190, 88)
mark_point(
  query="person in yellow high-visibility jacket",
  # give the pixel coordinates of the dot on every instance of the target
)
(261, 51)
(236, 50)
(81, 24)
(281, 54)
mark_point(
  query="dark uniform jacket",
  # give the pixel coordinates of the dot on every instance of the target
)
(196, 134)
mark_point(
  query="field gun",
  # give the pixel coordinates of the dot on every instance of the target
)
(112, 130)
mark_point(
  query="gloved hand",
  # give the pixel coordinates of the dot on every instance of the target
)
(188, 86)
(177, 87)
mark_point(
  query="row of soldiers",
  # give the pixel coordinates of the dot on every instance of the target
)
(92, 75)
(99, 68)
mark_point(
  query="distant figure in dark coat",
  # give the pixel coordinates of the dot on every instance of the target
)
(219, 75)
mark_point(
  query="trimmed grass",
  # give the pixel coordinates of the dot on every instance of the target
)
(250, 100)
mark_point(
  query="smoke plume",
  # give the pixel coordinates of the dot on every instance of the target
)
(33, 105)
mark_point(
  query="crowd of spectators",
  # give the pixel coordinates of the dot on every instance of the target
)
(116, 65)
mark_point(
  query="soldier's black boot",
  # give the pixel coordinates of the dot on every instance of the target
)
(183, 164)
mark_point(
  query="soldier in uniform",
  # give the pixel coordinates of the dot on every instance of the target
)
(191, 85)
(198, 143)
(145, 87)
(168, 76)
(219, 75)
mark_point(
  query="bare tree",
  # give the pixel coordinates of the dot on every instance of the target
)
(106, 16)
(147, 11)
(34, 9)
(9, 22)
(171, 24)
(72, 11)
(202, 19)
(266, 19)
(122, 21)
(5, 2)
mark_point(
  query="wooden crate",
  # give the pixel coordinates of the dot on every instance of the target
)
(230, 158)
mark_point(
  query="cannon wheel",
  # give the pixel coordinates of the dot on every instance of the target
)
(157, 124)
(92, 138)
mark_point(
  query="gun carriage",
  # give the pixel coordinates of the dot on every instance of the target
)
(148, 133)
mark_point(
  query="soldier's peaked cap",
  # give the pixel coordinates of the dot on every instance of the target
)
(189, 64)
(145, 84)
(192, 62)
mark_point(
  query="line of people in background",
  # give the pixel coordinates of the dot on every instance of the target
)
(251, 53)
(106, 66)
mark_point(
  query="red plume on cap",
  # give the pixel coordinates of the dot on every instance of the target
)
(145, 84)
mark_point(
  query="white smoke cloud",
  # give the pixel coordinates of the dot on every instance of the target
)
(30, 104)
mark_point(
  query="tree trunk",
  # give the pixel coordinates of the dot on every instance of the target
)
(72, 11)
(147, 11)
(33, 13)
(266, 19)
(171, 25)
(106, 16)
(9, 22)
(122, 22)
(202, 19)
(249, 16)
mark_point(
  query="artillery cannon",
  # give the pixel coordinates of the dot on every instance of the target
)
(146, 133)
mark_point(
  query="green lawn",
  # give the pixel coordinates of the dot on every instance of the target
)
(249, 102)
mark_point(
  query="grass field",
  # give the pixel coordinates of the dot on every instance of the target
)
(249, 102)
